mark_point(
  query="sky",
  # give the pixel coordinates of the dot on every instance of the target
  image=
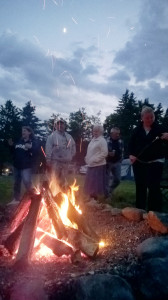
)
(67, 54)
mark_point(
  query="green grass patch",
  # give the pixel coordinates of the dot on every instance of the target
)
(123, 196)
(6, 189)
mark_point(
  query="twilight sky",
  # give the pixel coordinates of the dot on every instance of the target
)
(67, 54)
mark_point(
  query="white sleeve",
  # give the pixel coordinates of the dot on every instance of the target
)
(49, 147)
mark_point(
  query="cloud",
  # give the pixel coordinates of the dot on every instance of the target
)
(146, 54)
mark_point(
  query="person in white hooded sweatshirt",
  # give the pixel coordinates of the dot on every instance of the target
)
(97, 151)
(60, 150)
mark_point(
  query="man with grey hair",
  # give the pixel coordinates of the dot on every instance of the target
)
(114, 159)
(60, 150)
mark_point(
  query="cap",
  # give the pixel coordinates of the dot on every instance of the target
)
(59, 121)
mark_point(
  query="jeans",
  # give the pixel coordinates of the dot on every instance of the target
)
(115, 170)
(60, 170)
(19, 176)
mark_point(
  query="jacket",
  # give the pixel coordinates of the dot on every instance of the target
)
(118, 146)
(147, 147)
(96, 152)
(60, 147)
(24, 158)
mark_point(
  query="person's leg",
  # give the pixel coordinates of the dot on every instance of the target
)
(27, 178)
(140, 175)
(116, 171)
(108, 177)
(154, 178)
(17, 184)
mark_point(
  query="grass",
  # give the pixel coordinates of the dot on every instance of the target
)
(124, 194)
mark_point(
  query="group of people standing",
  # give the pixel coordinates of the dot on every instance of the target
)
(103, 157)
(146, 154)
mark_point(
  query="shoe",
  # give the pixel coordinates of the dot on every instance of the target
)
(13, 202)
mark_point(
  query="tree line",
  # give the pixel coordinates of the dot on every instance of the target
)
(79, 124)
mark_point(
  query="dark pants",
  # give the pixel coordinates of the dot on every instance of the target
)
(147, 180)
(113, 169)
(19, 176)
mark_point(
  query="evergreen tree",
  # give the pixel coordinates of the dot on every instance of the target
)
(10, 127)
(165, 120)
(159, 113)
(30, 119)
(126, 117)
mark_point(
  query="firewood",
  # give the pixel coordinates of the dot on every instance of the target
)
(28, 232)
(81, 241)
(58, 247)
(53, 212)
(21, 212)
(11, 243)
(77, 218)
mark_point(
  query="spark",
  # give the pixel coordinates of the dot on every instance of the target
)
(52, 61)
(74, 21)
(43, 151)
(68, 143)
(44, 4)
(92, 20)
(109, 30)
(55, 2)
(36, 39)
(66, 72)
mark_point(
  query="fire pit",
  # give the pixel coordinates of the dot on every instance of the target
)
(45, 224)
(61, 252)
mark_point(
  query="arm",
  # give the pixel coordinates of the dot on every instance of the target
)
(48, 148)
(131, 147)
(73, 148)
(102, 153)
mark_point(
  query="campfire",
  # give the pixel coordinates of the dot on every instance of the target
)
(50, 223)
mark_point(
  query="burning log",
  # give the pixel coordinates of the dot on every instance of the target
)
(28, 232)
(53, 212)
(11, 243)
(77, 218)
(21, 211)
(58, 247)
(83, 242)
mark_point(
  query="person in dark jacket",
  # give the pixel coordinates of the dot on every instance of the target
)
(147, 156)
(23, 152)
(115, 156)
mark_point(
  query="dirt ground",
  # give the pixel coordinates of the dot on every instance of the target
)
(121, 238)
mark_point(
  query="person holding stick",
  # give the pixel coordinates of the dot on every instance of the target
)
(146, 148)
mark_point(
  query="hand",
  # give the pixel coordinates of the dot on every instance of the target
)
(112, 153)
(10, 142)
(28, 146)
(132, 158)
(164, 136)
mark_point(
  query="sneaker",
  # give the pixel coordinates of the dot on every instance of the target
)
(13, 202)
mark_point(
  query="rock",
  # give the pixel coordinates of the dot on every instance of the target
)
(116, 211)
(28, 290)
(101, 287)
(133, 214)
(158, 221)
(152, 282)
(153, 247)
